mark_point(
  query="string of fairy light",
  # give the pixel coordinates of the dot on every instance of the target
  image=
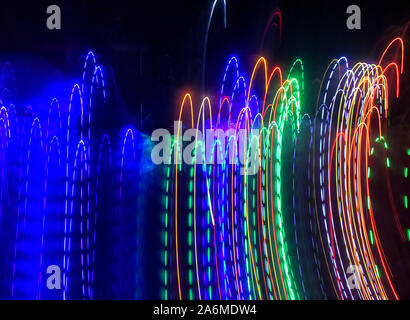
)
(246, 237)
(331, 183)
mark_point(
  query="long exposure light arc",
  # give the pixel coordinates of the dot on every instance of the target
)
(290, 230)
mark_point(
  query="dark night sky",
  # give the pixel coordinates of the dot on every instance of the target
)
(165, 38)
